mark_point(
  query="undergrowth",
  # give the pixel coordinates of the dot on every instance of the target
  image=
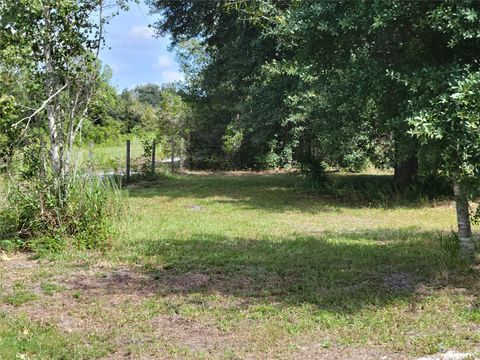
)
(375, 190)
(36, 217)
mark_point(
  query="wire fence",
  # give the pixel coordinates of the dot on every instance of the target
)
(124, 159)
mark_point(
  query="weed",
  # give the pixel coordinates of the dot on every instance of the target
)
(51, 288)
(19, 298)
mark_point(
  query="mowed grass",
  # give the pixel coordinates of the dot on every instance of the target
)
(240, 265)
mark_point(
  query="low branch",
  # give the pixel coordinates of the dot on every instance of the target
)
(44, 104)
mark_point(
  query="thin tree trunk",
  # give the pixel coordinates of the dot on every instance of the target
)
(50, 89)
(467, 251)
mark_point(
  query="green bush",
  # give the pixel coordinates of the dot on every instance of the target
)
(82, 216)
(145, 168)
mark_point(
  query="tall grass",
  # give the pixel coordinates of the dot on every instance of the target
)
(38, 218)
(380, 190)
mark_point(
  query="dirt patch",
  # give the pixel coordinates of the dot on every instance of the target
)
(16, 268)
(190, 281)
(171, 282)
(121, 281)
(399, 282)
(194, 335)
(194, 207)
(451, 355)
(317, 351)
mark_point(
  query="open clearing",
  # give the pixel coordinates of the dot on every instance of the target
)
(245, 266)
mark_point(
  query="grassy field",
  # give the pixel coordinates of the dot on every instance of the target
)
(111, 157)
(248, 266)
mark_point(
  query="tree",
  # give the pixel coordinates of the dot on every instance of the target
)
(447, 127)
(149, 93)
(172, 113)
(50, 48)
(102, 122)
(63, 38)
(221, 54)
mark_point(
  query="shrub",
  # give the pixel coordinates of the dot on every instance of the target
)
(145, 168)
(83, 216)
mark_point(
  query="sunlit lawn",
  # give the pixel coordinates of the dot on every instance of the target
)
(248, 266)
(109, 157)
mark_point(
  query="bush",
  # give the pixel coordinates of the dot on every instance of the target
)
(83, 216)
(145, 168)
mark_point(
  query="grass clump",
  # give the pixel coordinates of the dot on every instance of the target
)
(51, 288)
(19, 297)
(47, 216)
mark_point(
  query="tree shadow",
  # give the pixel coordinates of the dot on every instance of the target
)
(285, 192)
(341, 272)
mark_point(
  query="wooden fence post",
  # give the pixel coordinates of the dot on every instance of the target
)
(90, 158)
(154, 146)
(127, 172)
(173, 156)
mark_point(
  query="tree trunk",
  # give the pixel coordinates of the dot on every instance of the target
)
(405, 172)
(467, 251)
(50, 90)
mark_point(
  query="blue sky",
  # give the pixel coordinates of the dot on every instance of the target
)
(134, 54)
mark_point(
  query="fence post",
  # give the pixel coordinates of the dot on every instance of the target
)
(90, 158)
(173, 156)
(127, 172)
(154, 146)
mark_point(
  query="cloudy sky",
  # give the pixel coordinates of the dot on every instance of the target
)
(134, 54)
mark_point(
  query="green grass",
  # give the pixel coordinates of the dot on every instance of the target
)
(19, 297)
(51, 288)
(255, 266)
(22, 339)
(112, 156)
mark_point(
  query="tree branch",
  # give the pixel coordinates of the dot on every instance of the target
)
(44, 104)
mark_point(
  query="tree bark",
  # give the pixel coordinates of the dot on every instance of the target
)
(405, 172)
(467, 249)
(50, 89)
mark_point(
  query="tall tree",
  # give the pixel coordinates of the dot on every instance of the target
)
(56, 45)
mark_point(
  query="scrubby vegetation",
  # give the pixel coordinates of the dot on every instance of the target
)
(38, 219)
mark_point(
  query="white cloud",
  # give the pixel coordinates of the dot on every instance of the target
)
(117, 67)
(163, 61)
(171, 76)
(141, 32)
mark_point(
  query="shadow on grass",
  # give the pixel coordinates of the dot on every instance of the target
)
(341, 272)
(285, 192)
